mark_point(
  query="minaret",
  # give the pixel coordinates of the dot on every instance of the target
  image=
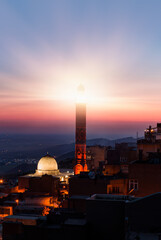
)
(80, 133)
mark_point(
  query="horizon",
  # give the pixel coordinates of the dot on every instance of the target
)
(69, 137)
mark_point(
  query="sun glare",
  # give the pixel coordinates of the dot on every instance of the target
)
(81, 98)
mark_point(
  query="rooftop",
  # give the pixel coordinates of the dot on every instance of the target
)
(75, 221)
(112, 197)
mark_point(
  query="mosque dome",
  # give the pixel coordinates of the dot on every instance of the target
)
(47, 164)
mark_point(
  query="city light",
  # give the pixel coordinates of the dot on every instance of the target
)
(17, 201)
(1, 181)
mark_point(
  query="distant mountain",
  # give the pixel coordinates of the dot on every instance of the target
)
(66, 156)
(14, 143)
(35, 148)
(107, 142)
(16, 169)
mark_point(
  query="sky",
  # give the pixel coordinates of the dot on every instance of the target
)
(49, 47)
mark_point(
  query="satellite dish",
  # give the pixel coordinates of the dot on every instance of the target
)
(91, 175)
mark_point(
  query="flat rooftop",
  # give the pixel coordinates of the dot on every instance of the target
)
(110, 197)
(75, 221)
(24, 217)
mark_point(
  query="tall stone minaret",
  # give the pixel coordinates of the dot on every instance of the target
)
(80, 133)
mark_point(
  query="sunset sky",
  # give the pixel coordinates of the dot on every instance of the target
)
(49, 47)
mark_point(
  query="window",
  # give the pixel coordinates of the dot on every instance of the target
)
(113, 189)
(123, 159)
(133, 184)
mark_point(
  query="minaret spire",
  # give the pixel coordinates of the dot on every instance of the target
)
(80, 133)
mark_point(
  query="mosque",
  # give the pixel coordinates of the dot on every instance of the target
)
(47, 177)
(48, 165)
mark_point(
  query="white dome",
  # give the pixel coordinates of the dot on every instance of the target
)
(47, 163)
